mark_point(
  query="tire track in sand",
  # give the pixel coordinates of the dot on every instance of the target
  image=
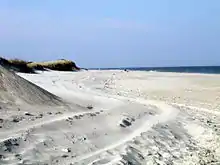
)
(18, 132)
(168, 113)
(197, 109)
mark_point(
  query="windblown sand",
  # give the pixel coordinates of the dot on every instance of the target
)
(109, 118)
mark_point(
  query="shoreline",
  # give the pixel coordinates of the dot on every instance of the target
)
(152, 71)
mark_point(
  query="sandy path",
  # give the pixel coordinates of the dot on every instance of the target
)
(17, 133)
(168, 113)
(198, 109)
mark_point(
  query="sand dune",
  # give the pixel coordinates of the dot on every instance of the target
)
(16, 89)
(109, 118)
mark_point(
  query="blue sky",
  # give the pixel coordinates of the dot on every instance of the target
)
(112, 33)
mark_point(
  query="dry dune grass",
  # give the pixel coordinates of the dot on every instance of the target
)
(61, 65)
(18, 62)
(17, 65)
(29, 67)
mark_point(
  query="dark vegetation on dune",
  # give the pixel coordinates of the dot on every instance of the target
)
(30, 67)
(16, 65)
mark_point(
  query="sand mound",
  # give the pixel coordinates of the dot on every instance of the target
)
(16, 89)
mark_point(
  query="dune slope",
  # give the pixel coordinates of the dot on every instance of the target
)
(16, 89)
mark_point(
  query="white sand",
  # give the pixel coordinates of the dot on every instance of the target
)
(137, 118)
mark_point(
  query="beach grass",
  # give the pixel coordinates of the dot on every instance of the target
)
(60, 65)
(29, 67)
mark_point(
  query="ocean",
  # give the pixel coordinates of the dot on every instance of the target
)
(181, 69)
